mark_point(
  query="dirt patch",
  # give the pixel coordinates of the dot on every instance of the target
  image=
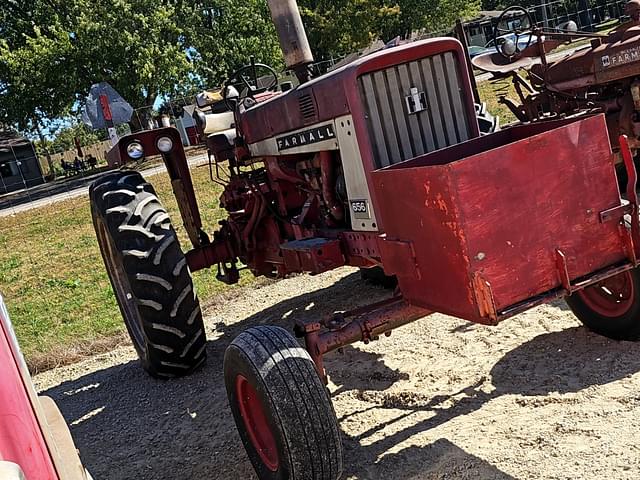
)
(536, 397)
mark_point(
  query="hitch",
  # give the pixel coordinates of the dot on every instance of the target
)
(228, 274)
(367, 323)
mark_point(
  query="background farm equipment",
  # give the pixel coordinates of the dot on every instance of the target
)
(599, 77)
(380, 163)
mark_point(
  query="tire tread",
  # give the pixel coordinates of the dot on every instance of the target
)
(128, 207)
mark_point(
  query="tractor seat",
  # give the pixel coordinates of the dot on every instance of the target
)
(496, 63)
(211, 123)
(221, 144)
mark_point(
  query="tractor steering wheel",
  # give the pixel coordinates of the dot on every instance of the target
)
(514, 21)
(248, 88)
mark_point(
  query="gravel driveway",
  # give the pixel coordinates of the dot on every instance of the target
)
(537, 397)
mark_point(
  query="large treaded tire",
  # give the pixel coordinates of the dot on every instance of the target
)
(149, 274)
(285, 402)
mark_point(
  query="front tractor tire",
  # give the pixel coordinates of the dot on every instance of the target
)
(149, 275)
(281, 407)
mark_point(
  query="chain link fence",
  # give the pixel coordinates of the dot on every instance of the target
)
(590, 16)
(19, 165)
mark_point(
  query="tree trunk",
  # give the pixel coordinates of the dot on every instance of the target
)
(52, 170)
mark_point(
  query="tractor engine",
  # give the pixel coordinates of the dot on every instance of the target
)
(297, 163)
(282, 200)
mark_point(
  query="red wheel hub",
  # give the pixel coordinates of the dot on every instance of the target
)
(612, 297)
(255, 422)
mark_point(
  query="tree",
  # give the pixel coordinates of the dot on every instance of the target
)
(65, 138)
(338, 27)
(53, 50)
(223, 35)
(430, 16)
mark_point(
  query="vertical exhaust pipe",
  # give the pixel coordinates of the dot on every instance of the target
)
(292, 36)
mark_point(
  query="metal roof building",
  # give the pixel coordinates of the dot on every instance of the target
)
(19, 165)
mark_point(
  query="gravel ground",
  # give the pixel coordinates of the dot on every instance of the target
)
(537, 397)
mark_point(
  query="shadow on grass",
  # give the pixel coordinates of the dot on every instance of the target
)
(128, 425)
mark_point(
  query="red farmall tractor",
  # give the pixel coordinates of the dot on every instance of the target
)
(379, 163)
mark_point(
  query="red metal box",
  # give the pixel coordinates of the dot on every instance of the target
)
(475, 229)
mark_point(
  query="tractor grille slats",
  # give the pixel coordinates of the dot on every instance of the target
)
(307, 107)
(399, 135)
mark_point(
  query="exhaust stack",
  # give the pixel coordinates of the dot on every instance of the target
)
(293, 38)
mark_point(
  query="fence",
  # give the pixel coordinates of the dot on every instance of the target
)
(97, 151)
(25, 177)
(589, 16)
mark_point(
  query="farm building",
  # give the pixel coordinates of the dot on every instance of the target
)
(480, 29)
(19, 165)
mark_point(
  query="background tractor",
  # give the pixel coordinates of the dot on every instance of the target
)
(600, 77)
(380, 163)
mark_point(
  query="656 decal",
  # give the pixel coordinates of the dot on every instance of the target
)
(360, 209)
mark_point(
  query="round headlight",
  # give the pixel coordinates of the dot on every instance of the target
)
(135, 150)
(164, 144)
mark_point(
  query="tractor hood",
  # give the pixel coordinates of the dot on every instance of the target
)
(337, 93)
(613, 58)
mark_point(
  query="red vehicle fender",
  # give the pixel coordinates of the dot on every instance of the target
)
(33, 433)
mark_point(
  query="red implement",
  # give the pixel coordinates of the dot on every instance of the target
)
(503, 219)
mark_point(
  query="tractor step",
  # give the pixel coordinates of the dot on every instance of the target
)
(314, 255)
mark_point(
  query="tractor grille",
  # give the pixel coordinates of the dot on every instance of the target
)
(307, 107)
(434, 83)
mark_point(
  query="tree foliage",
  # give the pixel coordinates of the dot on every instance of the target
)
(52, 51)
(65, 138)
(224, 34)
(437, 16)
(341, 26)
(46, 66)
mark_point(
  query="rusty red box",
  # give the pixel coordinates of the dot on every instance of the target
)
(477, 228)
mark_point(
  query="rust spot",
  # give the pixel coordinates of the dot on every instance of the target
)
(427, 189)
(441, 203)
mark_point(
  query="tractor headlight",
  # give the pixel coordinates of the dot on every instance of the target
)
(164, 144)
(135, 150)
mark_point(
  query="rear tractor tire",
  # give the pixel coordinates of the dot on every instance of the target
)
(149, 275)
(610, 307)
(282, 409)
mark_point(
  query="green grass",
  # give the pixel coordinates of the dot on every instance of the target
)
(490, 93)
(54, 281)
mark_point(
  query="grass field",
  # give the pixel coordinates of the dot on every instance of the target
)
(491, 91)
(54, 281)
